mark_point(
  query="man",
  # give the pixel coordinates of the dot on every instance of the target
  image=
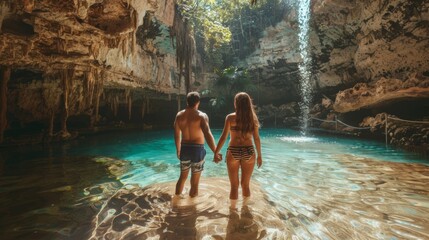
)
(191, 127)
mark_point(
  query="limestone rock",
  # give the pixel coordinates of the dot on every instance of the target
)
(380, 93)
(376, 123)
(285, 114)
(65, 56)
(351, 42)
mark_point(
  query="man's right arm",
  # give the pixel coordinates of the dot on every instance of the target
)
(177, 136)
(207, 133)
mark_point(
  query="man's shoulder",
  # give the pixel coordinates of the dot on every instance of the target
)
(180, 113)
(202, 114)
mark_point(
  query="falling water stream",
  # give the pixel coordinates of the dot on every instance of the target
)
(304, 66)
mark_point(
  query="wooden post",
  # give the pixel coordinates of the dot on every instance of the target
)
(178, 102)
(143, 107)
(385, 127)
(275, 120)
(130, 107)
(97, 106)
(51, 124)
(336, 123)
(5, 76)
(147, 105)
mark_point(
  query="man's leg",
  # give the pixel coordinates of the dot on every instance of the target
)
(181, 182)
(195, 180)
(197, 168)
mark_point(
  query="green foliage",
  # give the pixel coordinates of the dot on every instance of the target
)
(209, 20)
(226, 31)
(248, 25)
(229, 81)
(206, 19)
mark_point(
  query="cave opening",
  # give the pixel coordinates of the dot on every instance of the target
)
(409, 109)
(25, 76)
(17, 25)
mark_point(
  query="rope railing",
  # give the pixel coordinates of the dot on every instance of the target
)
(322, 120)
(400, 120)
(336, 121)
(403, 120)
(360, 128)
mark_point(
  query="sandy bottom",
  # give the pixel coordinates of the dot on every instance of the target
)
(359, 198)
(153, 213)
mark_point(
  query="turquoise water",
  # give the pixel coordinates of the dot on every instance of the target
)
(153, 154)
(317, 184)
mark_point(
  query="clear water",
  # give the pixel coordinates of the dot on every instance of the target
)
(318, 187)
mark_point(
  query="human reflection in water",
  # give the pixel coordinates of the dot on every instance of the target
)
(181, 221)
(242, 226)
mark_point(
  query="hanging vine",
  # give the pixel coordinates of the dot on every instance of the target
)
(184, 47)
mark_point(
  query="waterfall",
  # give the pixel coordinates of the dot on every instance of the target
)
(304, 66)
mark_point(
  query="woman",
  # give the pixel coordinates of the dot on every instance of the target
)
(243, 125)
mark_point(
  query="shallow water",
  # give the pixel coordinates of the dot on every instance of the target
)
(309, 188)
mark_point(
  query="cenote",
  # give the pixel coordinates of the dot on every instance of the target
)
(308, 188)
(89, 90)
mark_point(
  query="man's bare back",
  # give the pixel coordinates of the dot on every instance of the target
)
(193, 124)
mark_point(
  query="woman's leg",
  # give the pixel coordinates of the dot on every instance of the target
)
(233, 166)
(246, 172)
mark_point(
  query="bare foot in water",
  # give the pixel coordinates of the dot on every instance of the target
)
(176, 199)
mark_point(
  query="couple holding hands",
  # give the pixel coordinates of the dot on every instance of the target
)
(191, 129)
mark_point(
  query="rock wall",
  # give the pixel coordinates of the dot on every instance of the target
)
(351, 42)
(63, 55)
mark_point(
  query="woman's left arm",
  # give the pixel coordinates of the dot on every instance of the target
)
(222, 138)
(257, 141)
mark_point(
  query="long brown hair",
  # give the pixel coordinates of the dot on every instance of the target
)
(246, 119)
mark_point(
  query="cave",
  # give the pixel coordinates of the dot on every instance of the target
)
(17, 25)
(25, 76)
(291, 119)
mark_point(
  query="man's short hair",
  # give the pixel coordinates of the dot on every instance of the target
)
(192, 99)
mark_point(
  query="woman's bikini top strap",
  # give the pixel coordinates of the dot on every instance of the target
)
(234, 128)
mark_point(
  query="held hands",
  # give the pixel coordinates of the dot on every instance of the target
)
(259, 161)
(217, 157)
